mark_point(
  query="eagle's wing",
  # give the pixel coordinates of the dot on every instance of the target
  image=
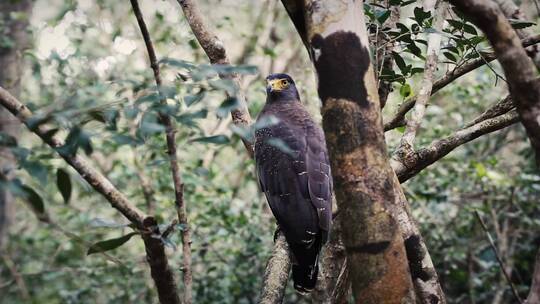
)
(296, 182)
(319, 178)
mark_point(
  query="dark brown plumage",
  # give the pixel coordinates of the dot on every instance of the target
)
(294, 173)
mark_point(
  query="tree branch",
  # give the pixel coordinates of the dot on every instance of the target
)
(161, 273)
(434, 45)
(498, 256)
(175, 170)
(99, 182)
(512, 11)
(534, 292)
(276, 273)
(520, 73)
(215, 50)
(413, 163)
(399, 117)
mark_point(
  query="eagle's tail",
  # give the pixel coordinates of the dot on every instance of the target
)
(305, 266)
(305, 277)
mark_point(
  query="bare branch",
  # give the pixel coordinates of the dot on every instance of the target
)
(520, 73)
(17, 277)
(413, 163)
(434, 45)
(534, 292)
(399, 117)
(498, 256)
(501, 107)
(215, 50)
(175, 170)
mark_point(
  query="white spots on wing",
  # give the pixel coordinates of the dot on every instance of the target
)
(302, 173)
(310, 232)
(316, 53)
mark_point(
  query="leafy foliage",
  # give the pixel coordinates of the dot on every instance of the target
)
(94, 89)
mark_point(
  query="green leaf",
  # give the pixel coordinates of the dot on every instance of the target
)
(75, 139)
(227, 106)
(109, 244)
(405, 90)
(34, 199)
(188, 118)
(104, 223)
(450, 56)
(178, 63)
(420, 15)
(122, 139)
(399, 62)
(192, 99)
(216, 139)
(63, 182)
(520, 24)
(7, 140)
(469, 29)
(480, 170)
(382, 15)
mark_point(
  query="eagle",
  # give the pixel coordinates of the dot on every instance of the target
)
(294, 173)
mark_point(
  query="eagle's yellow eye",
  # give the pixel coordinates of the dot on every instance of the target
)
(284, 83)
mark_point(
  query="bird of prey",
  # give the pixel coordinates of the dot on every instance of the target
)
(294, 174)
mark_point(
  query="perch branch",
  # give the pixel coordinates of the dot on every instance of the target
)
(277, 271)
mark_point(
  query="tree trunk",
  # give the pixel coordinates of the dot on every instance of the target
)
(336, 38)
(16, 40)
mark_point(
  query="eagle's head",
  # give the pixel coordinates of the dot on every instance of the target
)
(281, 87)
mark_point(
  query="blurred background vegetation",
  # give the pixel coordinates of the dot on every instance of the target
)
(87, 72)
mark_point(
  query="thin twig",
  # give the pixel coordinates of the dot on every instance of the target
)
(17, 277)
(501, 263)
(171, 151)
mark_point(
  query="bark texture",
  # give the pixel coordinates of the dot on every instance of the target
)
(11, 63)
(520, 73)
(276, 273)
(336, 37)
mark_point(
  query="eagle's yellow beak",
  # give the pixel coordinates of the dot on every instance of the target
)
(277, 84)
